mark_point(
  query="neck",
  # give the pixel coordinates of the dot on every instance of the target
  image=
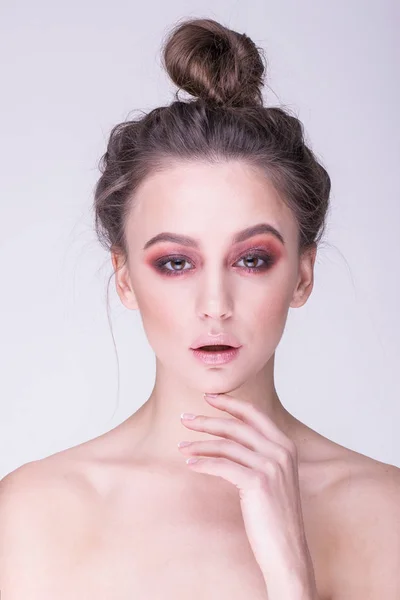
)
(158, 424)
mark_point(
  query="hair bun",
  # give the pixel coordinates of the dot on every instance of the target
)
(214, 63)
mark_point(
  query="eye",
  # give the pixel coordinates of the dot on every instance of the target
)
(173, 260)
(176, 261)
(254, 258)
(266, 261)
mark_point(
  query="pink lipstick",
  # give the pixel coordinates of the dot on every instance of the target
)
(217, 356)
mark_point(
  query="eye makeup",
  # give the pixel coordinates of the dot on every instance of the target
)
(262, 258)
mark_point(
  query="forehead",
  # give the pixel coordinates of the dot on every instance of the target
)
(202, 198)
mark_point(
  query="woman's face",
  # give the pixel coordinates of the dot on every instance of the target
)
(213, 284)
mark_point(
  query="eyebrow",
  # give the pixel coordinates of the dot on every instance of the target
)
(240, 236)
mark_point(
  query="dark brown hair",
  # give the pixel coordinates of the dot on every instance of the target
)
(226, 120)
(224, 70)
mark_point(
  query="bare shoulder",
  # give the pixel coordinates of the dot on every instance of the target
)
(365, 530)
(69, 476)
(44, 519)
(367, 489)
(61, 484)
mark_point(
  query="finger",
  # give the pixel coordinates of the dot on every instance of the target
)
(242, 477)
(253, 416)
(237, 430)
(231, 450)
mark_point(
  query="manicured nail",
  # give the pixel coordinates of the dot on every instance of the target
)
(182, 444)
(211, 395)
(187, 416)
(189, 461)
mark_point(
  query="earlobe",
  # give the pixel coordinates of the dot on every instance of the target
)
(123, 282)
(305, 282)
(302, 294)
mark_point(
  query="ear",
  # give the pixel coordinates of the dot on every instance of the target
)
(305, 281)
(123, 281)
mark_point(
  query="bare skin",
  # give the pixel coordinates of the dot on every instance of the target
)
(107, 526)
(122, 515)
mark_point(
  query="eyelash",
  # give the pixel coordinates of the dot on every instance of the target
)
(160, 263)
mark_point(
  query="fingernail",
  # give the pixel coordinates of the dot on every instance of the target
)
(187, 416)
(211, 395)
(182, 444)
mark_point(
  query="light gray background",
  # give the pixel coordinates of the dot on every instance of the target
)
(69, 72)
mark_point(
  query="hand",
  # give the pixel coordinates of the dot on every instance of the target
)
(261, 461)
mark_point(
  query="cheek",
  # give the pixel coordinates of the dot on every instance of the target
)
(268, 310)
(263, 316)
(271, 314)
(161, 317)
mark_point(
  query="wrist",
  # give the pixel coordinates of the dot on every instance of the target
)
(291, 585)
(290, 591)
(292, 576)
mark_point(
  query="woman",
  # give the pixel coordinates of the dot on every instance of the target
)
(212, 209)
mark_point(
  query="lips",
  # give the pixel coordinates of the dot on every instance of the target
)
(215, 358)
(214, 348)
(220, 339)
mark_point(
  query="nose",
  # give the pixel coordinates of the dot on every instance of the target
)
(214, 299)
